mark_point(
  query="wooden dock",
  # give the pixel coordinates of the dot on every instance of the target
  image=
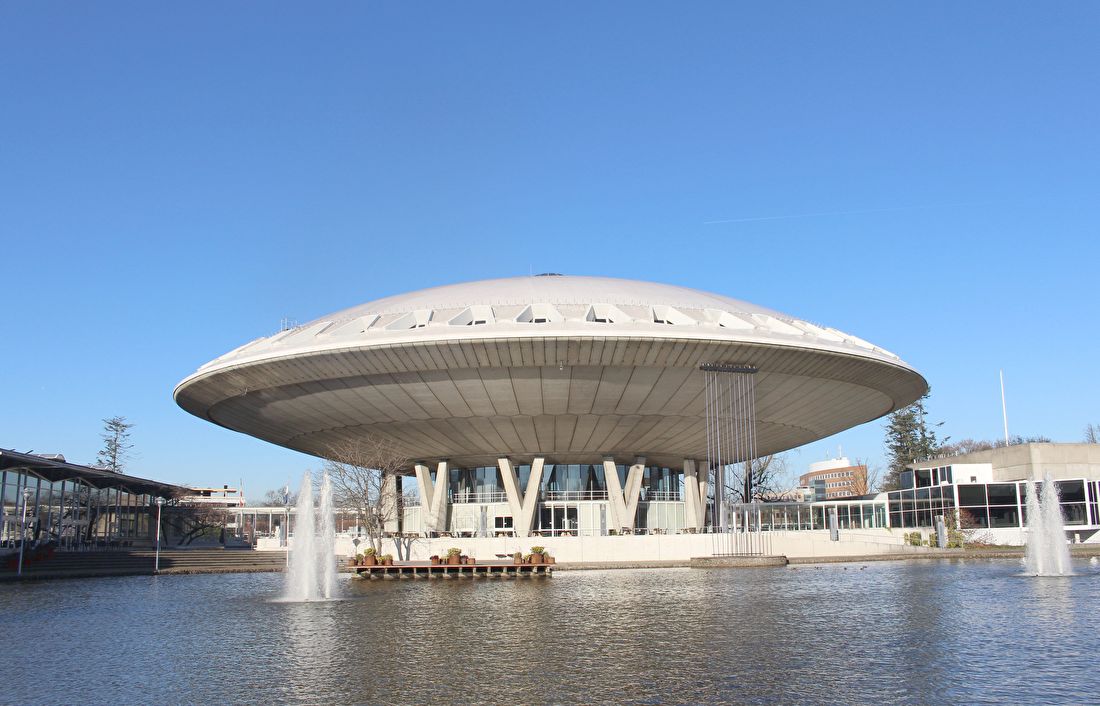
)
(427, 570)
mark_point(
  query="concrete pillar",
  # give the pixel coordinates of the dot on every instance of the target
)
(623, 501)
(695, 502)
(390, 507)
(691, 495)
(522, 503)
(433, 497)
(616, 504)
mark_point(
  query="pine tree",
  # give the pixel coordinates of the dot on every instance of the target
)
(908, 439)
(116, 444)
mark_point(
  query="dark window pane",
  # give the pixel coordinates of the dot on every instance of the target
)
(1002, 494)
(905, 479)
(971, 495)
(1074, 514)
(1004, 517)
(973, 517)
(924, 477)
(1071, 491)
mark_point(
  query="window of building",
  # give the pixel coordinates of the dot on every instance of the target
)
(1002, 494)
(971, 495)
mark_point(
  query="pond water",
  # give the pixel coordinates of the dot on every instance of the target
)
(893, 632)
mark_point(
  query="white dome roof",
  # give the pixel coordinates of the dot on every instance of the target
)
(550, 305)
(554, 289)
(571, 368)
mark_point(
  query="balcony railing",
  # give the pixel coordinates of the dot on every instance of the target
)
(660, 495)
(573, 495)
(470, 496)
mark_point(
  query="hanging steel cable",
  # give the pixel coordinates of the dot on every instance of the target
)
(730, 409)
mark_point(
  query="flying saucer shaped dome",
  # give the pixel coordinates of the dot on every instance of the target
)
(570, 367)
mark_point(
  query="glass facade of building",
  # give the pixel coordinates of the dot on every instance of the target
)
(929, 492)
(562, 482)
(72, 513)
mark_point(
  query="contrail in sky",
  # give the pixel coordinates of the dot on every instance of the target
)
(843, 213)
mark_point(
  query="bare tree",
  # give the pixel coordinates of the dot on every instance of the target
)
(364, 474)
(278, 497)
(865, 478)
(116, 444)
(187, 522)
(1092, 434)
(967, 446)
(754, 479)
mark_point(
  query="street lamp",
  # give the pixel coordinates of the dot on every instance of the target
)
(286, 533)
(156, 566)
(23, 529)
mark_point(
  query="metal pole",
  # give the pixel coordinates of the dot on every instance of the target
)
(286, 535)
(1004, 408)
(23, 529)
(156, 566)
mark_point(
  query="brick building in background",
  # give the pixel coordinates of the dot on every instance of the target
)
(835, 478)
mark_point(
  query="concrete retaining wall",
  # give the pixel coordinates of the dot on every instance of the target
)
(653, 548)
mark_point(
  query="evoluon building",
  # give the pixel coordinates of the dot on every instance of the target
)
(552, 404)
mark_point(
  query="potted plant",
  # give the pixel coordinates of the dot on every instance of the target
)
(470, 561)
(353, 560)
(387, 559)
(454, 556)
(436, 561)
(527, 559)
(369, 558)
(518, 557)
(548, 559)
(536, 554)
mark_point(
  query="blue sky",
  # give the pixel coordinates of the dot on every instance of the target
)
(174, 180)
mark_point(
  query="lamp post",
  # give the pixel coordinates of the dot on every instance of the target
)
(286, 534)
(23, 529)
(156, 566)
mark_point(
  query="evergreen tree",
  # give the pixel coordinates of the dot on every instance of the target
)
(908, 439)
(116, 444)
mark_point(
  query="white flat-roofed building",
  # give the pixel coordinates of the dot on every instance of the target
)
(987, 490)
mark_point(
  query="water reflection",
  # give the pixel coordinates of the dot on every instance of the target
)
(887, 632)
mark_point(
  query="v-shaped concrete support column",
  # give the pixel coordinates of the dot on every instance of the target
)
(389, 505)
(433, 497)
(522, 504)
(695, 495)
(623, 501)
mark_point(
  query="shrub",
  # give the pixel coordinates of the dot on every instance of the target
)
(454, 551)
(369, 551)
(538, 550)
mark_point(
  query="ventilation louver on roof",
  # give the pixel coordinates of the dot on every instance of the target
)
(667, 315)
(606, 314)
(414, 319)
(539, 314)
(725, 319)
(474, 316)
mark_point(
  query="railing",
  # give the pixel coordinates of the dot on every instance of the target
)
(573, 495)
(468, 496)
(660, 495)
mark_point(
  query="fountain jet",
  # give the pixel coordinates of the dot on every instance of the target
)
(1047, 553)
(312, 573)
